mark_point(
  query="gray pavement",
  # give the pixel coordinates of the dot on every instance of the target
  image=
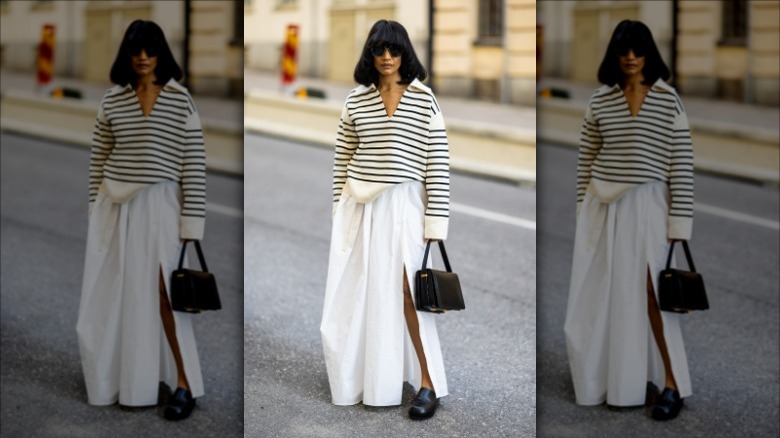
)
(732, 348)
(715, 111)
(43, 230)
(490, 113)
(489, 349)
(215, 108)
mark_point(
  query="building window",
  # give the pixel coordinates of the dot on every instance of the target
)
(734, 22)
(286, 3)
(42, 5)
(491, 22)
(238, 23)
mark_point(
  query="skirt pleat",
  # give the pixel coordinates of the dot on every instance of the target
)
(368, 350)
(124, 351)
(611, 348)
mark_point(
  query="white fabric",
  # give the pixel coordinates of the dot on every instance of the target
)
(368, 351)
(124, 351)
(612, 351)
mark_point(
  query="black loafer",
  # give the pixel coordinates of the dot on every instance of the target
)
(180, 405)
(668, 405)
(424, 404)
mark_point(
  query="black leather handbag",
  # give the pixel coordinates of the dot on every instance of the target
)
(194, 291)
(437, 291)
(681, 291)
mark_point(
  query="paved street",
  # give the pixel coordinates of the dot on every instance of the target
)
(44, 228)
(489, 349)
(732, 348)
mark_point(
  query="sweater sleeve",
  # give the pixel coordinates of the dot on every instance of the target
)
(347, 141)
(193, 179)
(103, 142)
(681, 178)
(589, 147)
(437, 178)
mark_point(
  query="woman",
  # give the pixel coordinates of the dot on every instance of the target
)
(147, 194)
(390, 196)
(634, 196)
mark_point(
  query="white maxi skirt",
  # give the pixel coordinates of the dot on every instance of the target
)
(611, 348)
(124, 351)
(368, 351)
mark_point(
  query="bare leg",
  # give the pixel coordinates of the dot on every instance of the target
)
(410, 313)
(166, 313)
(656, 324)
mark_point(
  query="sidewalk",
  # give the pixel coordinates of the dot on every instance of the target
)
(27, 111)
(495, 114)
(716, 111)
(729, 138)
(486, 139)
(222, 109)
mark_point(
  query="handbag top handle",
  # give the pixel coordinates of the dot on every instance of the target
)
(687, 255)
(443, 255)
(200, 255)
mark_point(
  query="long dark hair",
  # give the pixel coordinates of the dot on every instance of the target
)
(387, 32)
(636, 36)
(147, 35)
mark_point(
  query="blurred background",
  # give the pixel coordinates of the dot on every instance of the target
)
(55, 58)
(205, 37)
(725, 61)
(300, 56)
(725, 50)
(474, 49)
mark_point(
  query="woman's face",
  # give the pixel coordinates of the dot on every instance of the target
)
(631, 64)
(143, 64)
(387, 59)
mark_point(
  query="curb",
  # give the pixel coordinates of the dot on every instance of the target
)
(487, 150)
(721, 148)
(71, 121)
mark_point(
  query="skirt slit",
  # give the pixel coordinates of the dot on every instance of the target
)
(611, 348)
(367, 346)
(123, 347)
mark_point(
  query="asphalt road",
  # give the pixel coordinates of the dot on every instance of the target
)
(44, 229)
(732, 348)
(489, 349)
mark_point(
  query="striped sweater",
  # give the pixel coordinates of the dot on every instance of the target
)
(375, 151)
(618, 151)
(131, 151)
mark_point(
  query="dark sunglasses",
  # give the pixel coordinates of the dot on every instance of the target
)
(379, 50)
(623, 51)
(135, 50)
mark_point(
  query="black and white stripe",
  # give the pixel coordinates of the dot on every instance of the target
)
(372, 147)
(618, 148)
(131, 150)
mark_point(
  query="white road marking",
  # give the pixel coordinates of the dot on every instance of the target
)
(493, 216)
(737, 216)
(531, 225)
(224, 209)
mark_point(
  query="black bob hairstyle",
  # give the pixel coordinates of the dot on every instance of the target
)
(385, 33)
(147, 35)
(636, 36)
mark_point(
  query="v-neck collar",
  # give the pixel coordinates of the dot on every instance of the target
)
(414, 84)
(641, 105)
(170, 85)
(658, 85)
(384, 107)
(154, 104)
